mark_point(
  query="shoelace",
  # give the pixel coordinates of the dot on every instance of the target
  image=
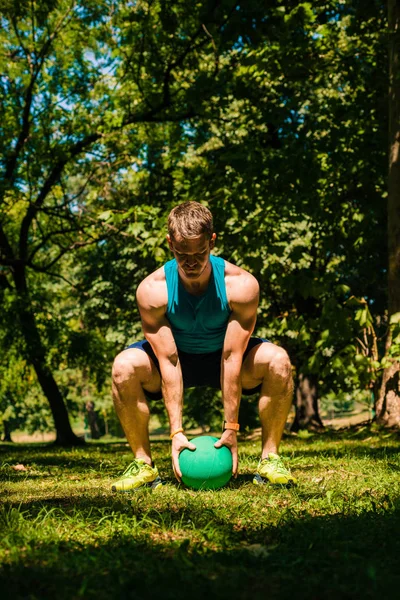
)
(278, 465)
(132, 469)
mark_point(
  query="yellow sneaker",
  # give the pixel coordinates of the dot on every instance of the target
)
(273, 469)
(137, 475)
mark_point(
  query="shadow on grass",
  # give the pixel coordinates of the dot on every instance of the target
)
(78, 459)
(87, 501)
(312, 558)
(53, 450)
(356, 451)
(54, 455)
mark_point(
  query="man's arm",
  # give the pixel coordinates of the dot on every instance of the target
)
(244, 303)
(158, 333)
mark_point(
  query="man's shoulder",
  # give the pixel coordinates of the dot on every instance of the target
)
(152, 291)
(241, 286)
(236, 276)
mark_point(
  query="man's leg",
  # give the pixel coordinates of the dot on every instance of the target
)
(269, 365)
(133, 371)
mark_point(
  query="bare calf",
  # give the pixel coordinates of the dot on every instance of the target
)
(133, 372)
(269, 365)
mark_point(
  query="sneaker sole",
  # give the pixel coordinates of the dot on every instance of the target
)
(153, 485)
(258, 480)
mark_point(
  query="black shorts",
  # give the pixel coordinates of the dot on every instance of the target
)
(198, 369)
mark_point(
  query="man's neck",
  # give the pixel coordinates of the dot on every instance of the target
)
(199, 285)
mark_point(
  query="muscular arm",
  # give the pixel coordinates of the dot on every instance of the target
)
(152, 300)
(244, 302)
(158, 333)
(243, 296)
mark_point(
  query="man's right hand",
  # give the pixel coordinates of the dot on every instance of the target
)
(179, 442)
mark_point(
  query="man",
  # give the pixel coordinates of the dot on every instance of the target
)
(198, 312)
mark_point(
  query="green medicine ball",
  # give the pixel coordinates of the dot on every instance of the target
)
(206, 467)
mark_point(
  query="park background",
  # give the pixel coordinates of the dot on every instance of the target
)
(277, 119)
(283, 119)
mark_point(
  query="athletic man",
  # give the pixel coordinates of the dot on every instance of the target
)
(198, 312)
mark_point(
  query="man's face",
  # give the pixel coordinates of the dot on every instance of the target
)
(192, 255)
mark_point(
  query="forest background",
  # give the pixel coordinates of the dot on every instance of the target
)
(276, 117)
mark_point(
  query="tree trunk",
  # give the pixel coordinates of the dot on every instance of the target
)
(306, 404)
(36, 355)
(7, 431)
(64, 434)
(92, 420)
(388, 404)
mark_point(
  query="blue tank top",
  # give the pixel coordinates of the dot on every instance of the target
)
(198, 323)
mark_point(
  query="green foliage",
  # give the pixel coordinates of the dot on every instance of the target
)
(274, 117)
(21, 401)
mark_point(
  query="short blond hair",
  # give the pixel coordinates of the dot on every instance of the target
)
(190, 220)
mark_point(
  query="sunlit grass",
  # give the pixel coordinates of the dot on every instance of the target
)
(65, 534)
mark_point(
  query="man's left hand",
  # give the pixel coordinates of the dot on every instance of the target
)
(229, 439)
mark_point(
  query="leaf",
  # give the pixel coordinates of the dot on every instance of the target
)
(104, 216)
(386, 363)
(257, 550)
(317, 479)
(361, 316)
(395, 318)
(305, 434)
(342, 289)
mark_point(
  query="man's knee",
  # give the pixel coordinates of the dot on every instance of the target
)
(126, 366)
(276, 361)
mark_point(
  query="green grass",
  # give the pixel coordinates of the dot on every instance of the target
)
(64, 535)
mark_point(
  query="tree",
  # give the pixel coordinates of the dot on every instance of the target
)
(306, 404)
(295, 175)
(79, 81)
(388, 405)
(293, 167)
(131, 108)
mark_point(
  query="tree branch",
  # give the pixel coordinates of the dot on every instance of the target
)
(51, 274)
(5, 261)
(174, 64)
(25, 51)
(64, 251)
(48, 237)
(35, 69)
(215, 49)
(5, 248)
(4, 283)
(47, 186)
(152, 115)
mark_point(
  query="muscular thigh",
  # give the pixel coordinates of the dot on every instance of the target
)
(137, 363)
(256, 364)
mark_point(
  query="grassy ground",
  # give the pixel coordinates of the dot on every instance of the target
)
(336, 535)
